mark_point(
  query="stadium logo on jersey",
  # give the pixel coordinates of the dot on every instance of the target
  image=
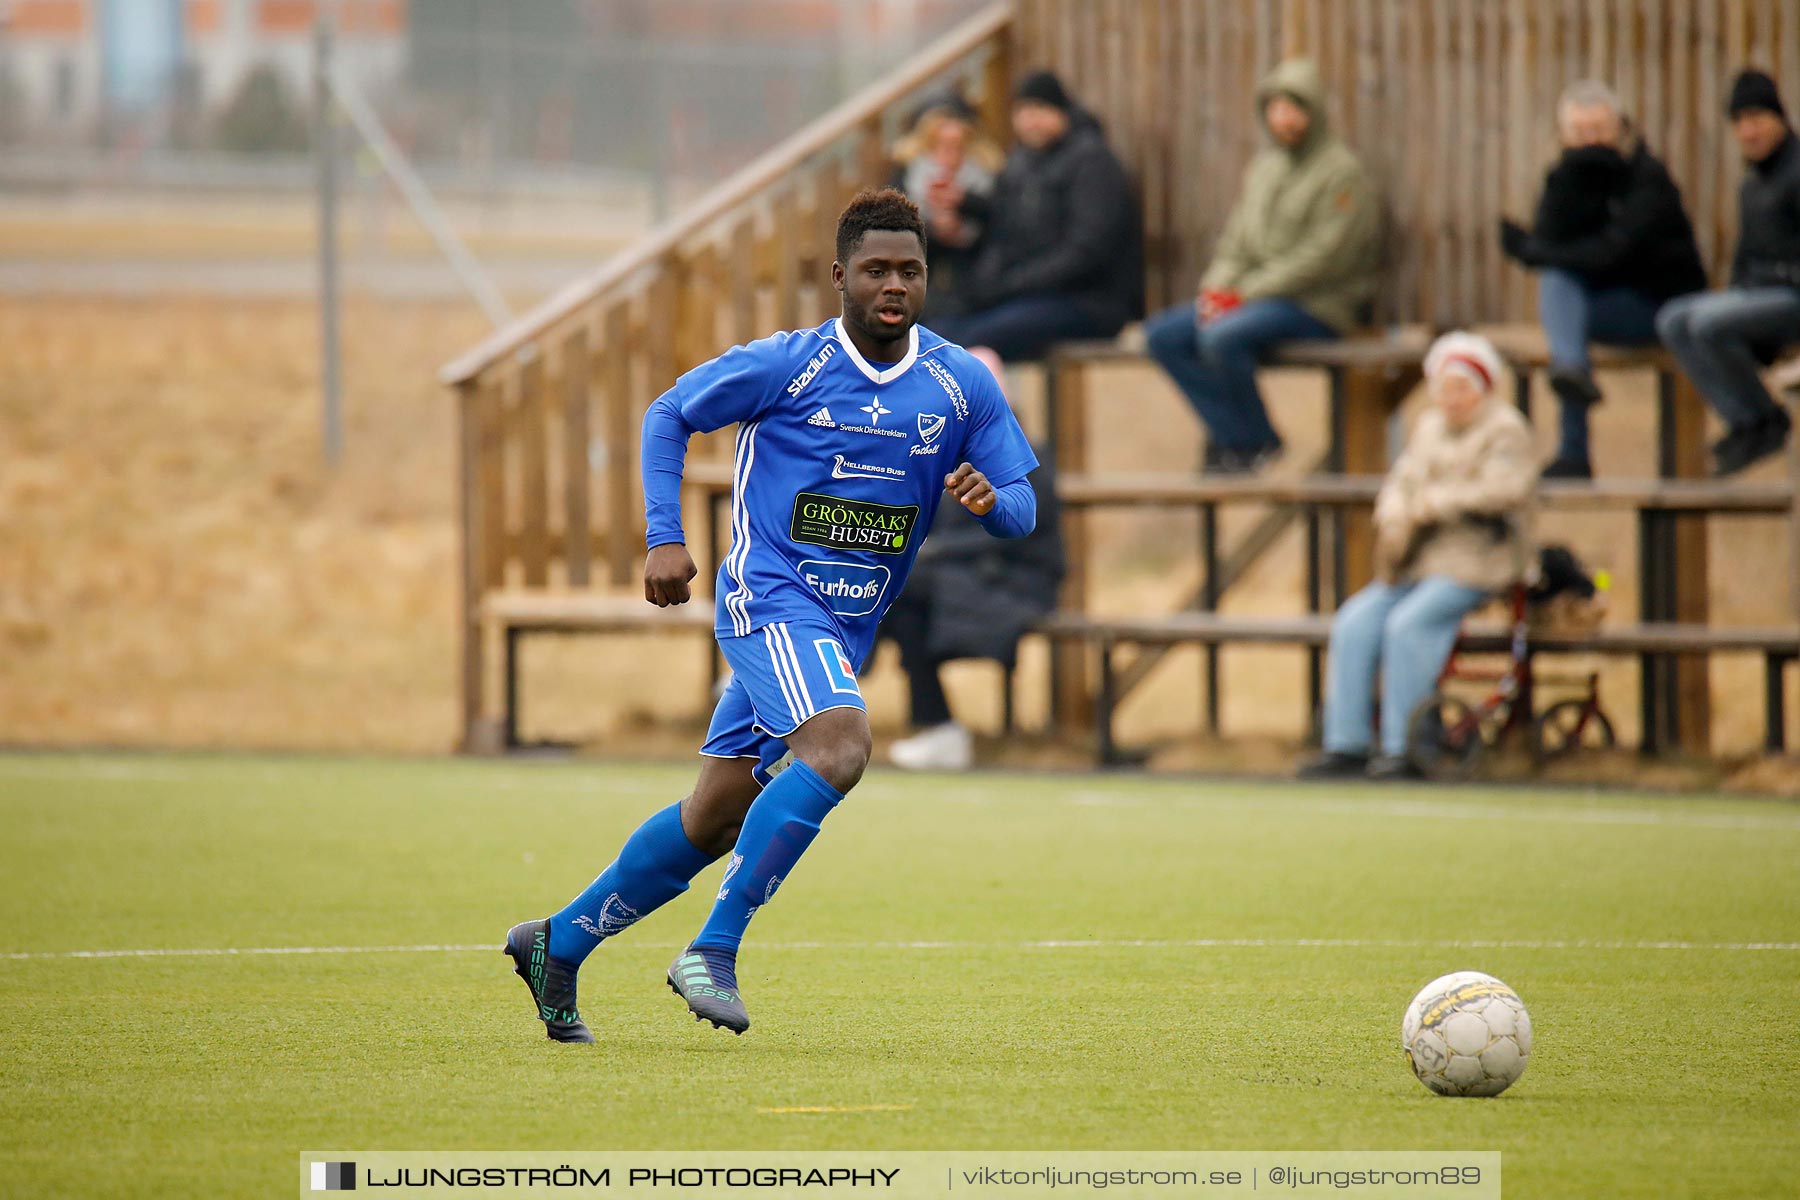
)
(822, 419)
(953, 389)
(837, 667)
(875, 411)
(842, 468)
(820, 520)
(798, 383)
(848, 589)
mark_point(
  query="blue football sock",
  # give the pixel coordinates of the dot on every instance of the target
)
(778, 829)
(722, 964)
(653, 868)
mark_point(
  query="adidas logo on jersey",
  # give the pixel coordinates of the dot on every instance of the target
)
(822, 419)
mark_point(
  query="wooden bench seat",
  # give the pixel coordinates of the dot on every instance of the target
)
(1367, 348)
(546, 612)
(1779, 646)
(1395, 351)
(1520, 345)
(1481, 637)
(1187, 489)
(513, 614)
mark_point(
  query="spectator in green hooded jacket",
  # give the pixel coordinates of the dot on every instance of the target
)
(1298, 259)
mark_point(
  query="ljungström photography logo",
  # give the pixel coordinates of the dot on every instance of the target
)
(334, 1177)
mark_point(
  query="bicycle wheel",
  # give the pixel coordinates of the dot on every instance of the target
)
(1444, 738)
(1569, 725)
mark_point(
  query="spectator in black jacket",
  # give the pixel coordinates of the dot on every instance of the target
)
(969, 596)
(1612, 245)
(1723, 338)
(1060, 255)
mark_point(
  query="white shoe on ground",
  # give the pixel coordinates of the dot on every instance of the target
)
(946, 747)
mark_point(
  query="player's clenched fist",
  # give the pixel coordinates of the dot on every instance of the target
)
(971, 488)
(667, 573)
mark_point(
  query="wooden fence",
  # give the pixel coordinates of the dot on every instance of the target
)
(1450, 102)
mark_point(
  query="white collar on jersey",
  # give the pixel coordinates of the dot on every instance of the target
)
(868, 368)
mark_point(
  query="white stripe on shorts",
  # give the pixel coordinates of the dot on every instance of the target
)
(780, 668)
(806, 700)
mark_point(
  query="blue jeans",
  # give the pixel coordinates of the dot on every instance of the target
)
(1574, 314)
(1025, 327)
(1215, 365)
(1408, 631)
(1715, 335)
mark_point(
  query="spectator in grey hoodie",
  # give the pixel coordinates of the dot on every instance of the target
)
(1723, 339)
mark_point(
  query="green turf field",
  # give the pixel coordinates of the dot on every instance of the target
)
(995, 961)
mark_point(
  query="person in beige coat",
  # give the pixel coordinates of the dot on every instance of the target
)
(1452, 528)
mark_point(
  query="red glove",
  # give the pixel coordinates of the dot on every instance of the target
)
(1216, 302)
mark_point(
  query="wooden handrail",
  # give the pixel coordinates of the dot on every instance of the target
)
(729, 194)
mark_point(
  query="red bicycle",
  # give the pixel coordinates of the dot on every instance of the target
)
(1447, 735)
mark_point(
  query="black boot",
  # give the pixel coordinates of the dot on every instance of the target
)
(1566, 466)
(1743, 447)
(1576, 393)
(1334, 764)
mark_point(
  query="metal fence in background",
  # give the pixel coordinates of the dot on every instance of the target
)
(675, 93)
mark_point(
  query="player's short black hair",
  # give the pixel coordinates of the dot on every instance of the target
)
(877, 208)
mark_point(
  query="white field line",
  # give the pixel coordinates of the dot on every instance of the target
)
(1101, 944)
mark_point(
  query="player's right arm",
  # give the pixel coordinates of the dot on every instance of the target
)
(668, 568)
(731, 388)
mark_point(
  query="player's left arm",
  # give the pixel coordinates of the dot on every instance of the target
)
(1009, 510)
(991, 482)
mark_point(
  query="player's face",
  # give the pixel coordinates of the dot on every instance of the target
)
(883, 284)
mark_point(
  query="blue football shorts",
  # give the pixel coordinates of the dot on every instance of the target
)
(781, 675)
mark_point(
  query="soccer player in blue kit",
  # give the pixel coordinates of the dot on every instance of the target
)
(848, 437)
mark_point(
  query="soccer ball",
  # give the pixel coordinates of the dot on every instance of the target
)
(1466, 1034)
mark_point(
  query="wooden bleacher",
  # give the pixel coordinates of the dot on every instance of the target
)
(1652, 642)
(549, 407)
(1369, 377)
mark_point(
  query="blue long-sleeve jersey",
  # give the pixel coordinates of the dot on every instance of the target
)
(839, 470)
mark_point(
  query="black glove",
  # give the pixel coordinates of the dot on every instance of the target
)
(1515, 240)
